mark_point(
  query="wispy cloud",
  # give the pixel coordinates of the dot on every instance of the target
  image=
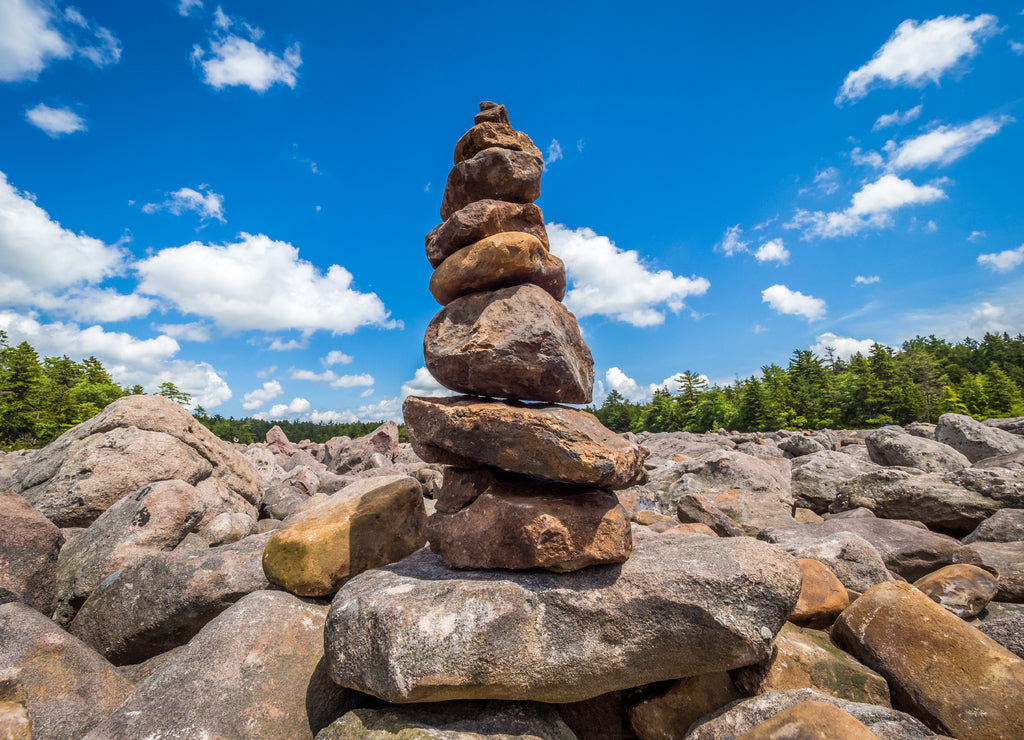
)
(866, 280)
(732, 242)
(944, 144)
(554, 153)
(897, 118)
(207, 204)
(918, 53)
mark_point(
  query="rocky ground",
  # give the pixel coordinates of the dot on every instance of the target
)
(156, 582)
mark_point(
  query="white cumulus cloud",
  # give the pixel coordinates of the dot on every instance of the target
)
(897, 118)
(193, 331)
(33, 33)
(259, 283)
(772, 251)
(920, 52)
(793, 302)
(842, 347)
(871, 207)
(207, 203)
(185, 7)
(1002, 261)
(257, 398)
(614, 282)
(335, 357)
(235, 61)
(40, 253)
(424, 384)
(55, 121)
(285, 410)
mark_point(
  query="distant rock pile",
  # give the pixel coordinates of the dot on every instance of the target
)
(527, 486)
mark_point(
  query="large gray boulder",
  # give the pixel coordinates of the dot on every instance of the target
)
(152, 606)
(135, 441)
(452, 720)
(753, 492)
(256, 671)
(29, 546)
(939, 500)
(974, 439)
(854, 560)
(816, 478)
(908, 550)
(739, 717)
(1006, 525)
(343, 455)
(894, 446)
(155, 518)
(418, 631)
(68, 687)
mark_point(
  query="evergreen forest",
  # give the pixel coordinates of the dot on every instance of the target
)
(40, 398)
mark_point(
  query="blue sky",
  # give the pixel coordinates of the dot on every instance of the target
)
(233, 196)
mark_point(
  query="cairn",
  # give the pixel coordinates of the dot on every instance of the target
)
(528, 481)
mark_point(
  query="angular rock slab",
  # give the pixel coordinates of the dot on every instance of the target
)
(160, 603)
(974, 439)
(1004, 559)
(471, 720)
(369, 523)
(516, 342)
(894, 446)
(499, 261)
(500, 174)
(810, 720)
(733, 721)
(561, 533)
(254, 672)
(547, 441)
(964, 590)
(940, 669)
(479, 220)
(68, 687)
(682, 605)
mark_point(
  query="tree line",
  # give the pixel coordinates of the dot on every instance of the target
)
(923, 379)
(42, 398)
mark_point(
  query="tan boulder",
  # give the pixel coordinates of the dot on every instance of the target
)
(544, 440)
(940, 669)
(517, 343)
(1005, 559)
(822, 596)
(538, 528)
(810, 720)
(367, 524)
(962, 589)
(502, 174)
(29, 547)
(663, 711)
(808, 659)
(498, 261)
(479, 220)
(493, 134)
(490, 111)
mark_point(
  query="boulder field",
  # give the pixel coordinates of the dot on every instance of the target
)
(297, 597)
(518, 570)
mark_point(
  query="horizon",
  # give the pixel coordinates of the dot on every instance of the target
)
(233, 198)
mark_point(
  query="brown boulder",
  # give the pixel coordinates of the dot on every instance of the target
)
(498, 261)
(29, 545)
(962, 589)
(822, 596)
(663, 711)
(808, 659)
(547, 441)
(367, 524)
(939, 668)
(68, 688)
(493, 134)
(810, 720)
(501, 174)
(479, 220)
(490, 111)
(533, 526)
(517, 343)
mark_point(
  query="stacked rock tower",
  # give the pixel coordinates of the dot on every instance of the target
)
(528, 482)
